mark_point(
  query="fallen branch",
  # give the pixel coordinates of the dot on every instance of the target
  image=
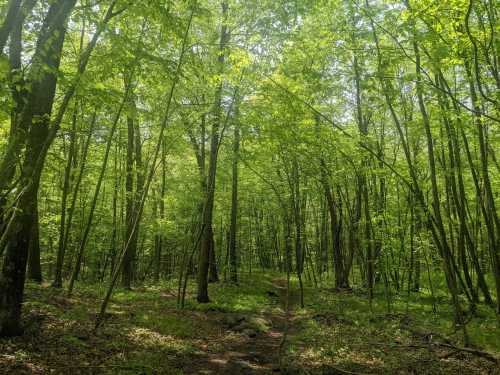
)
(476, 352)
(427, 337)
(456, 349)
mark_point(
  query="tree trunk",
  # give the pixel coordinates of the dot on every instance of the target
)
(207, 235)
(488, 206)
(233, 256)
(66, 188)
(13, 12)
(90, 218)
(341, 275)
(19, 96)
(38, 110)
(130, 198)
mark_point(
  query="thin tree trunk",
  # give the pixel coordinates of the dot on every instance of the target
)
(150, 175)
(93, 204)
(66, 188)
(438, 222)
(207, 236)
(233, 256)
(129, 195)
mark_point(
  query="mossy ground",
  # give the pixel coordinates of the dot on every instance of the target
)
(144, 332)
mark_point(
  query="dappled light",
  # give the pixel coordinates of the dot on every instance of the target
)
(249, 187)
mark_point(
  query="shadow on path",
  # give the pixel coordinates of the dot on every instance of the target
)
(251, 352)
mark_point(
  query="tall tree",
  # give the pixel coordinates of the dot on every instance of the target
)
(34, 128)
(207, 243)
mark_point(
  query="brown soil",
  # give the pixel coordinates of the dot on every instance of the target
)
(240, 354)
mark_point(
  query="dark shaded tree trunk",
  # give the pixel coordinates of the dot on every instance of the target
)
(341, 274)
(439, 231)
(19, 95)
(35, 118)
(488, 207)
(461, 199)
(213, 275)
(207, 235)
(12, 14)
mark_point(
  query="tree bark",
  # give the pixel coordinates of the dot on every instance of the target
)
(35, 118)
(233, 255)
(207, 235)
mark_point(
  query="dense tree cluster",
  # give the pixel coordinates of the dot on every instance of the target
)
(347, 140)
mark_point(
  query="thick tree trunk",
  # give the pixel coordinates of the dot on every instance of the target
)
(19, 96)
(12, 14)
(13, 270)
(35, 118)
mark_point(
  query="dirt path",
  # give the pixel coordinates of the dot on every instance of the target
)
(242, 334)
(250, 351)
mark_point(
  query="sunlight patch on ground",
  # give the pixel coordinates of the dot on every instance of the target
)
(144, 337)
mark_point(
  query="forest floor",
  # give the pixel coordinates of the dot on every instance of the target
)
(255, 328)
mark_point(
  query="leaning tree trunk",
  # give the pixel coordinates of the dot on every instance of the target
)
(19, 95)
(439, 231)
(38, 108)
(93, 204)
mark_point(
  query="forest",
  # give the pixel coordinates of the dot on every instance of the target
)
(249, 187)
